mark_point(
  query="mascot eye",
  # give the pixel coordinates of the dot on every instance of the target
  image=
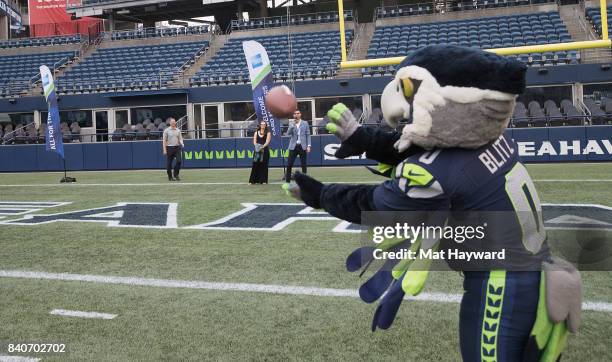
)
(407, 87)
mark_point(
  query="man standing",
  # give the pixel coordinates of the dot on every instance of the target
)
(299, 144)
(173, 148)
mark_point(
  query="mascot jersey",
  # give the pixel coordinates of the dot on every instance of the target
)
(499, 307)
(489, 180)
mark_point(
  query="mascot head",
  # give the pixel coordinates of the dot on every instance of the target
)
(452, 97)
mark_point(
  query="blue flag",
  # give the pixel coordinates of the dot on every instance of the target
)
(260, 72)
(54, 133)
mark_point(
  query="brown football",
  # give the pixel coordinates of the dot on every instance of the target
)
(281, 101)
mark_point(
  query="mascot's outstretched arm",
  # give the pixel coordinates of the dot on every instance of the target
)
(345, 202)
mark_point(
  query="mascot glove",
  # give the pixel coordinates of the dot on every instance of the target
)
(342, 122)
(305, 189)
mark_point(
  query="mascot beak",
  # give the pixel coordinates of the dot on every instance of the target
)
(396, 100)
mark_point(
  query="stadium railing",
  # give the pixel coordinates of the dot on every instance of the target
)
(427, 8)
(128, 132)
(156, 32)
(297, 19)
(280, 75)
(41, 41)
(71, 4)
(153, 81)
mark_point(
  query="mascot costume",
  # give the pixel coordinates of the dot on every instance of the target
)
(452, 156)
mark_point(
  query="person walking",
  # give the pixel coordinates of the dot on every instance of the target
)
(173, 148)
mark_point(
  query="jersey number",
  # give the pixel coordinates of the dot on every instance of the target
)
(522, 193)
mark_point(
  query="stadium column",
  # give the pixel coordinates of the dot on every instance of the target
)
(111, 21)
(37, 119)
(577, 93)
(263, 8)
(4, 27)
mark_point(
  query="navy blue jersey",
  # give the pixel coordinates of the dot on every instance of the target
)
(488, 183)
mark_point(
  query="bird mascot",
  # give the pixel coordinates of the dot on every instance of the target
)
(452, 157)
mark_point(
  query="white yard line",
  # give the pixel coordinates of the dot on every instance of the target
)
(79, 314)
(596, 306)
(4, 358)
(237, 183)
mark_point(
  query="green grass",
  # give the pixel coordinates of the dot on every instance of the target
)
(163, 323)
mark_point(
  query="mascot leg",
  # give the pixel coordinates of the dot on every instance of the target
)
(498, 311)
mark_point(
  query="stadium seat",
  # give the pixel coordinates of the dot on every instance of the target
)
(18, 71)
(318, 57)
(492, 32)
(130, 68)
(598, 116)
(43, 41)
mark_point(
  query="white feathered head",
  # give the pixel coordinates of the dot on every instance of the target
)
(452, 97)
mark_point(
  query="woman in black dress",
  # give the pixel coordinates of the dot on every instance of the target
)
(261, 157)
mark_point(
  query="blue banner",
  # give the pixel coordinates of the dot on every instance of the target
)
(260, 72)
(54, 134)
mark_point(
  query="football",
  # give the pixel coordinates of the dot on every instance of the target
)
(281, 101)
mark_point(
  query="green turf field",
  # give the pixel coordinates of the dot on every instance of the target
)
(176, 322)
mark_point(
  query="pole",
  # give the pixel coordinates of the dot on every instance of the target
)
(342, 35)
(65, 175)
(604, 19)
(291, 79)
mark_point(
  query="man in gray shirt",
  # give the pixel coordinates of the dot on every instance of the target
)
(173, 148)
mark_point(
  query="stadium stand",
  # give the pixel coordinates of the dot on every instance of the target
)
(427, 8)
(156, 32)
(21, 133)
(130, 68)
(534, 115)
(44, 41)
(147, 130)
(317, 57)
(17, 72)
(600, 112)
(594, 16)
(301, 19)
(485, 33)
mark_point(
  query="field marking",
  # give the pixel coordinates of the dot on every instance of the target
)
(596, 306)
(190, 170)
(4, 358)
(240, 183)
(80, 314)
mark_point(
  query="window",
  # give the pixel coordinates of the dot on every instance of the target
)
(598, 91)
(322, 105)
(305, 108)
(139, 115)
(238, 112)
(15, 119)
(542, 94)
(82, 117)
(375, 101)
